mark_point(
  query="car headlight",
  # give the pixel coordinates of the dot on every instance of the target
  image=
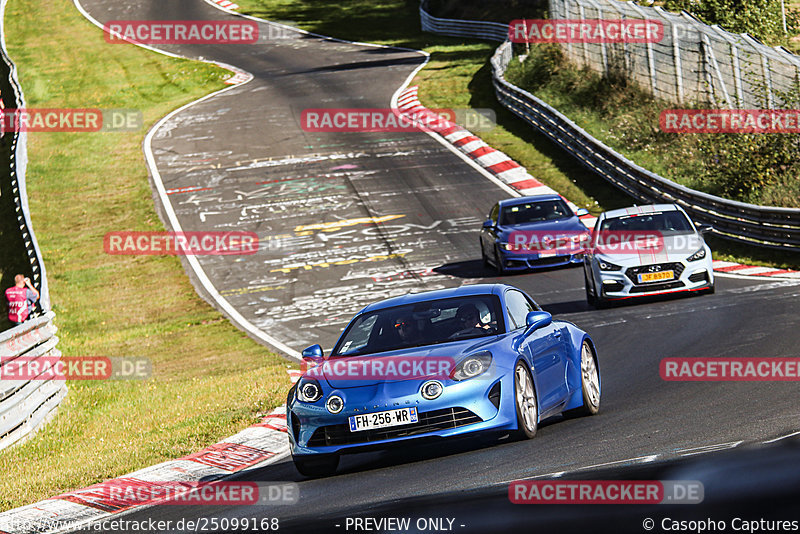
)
(699, 255)
(473, 366)
(335, 404)
(431, 389)
(508, 246)
(309, 390)
(608, 266)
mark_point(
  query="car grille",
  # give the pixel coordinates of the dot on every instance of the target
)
(428, 422)
(631, 272)
(656, 287)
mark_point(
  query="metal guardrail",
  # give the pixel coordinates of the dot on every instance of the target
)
(473, 29)
(748, 223)
(26, 404)
(19, 163)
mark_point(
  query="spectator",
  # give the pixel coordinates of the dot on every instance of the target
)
(20, 299)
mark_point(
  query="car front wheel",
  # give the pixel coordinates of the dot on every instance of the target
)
(525, 401)
(590, 298)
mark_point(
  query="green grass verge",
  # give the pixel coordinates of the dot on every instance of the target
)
(458, 75)
(210, 380)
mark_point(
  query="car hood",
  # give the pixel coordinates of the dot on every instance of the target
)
(364, 372)
(669, 249)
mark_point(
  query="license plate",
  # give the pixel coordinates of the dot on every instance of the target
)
(656, 277)
(367, 421)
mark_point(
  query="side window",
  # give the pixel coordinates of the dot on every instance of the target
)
(518, 308)
(494, 213)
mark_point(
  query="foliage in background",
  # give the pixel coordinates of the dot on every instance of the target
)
(756, 168)
(503, 11)
(759, 18)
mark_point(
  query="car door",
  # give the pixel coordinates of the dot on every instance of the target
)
(543, 350)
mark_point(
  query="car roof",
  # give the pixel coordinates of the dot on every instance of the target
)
(639, 210)
(532, 198)
(463, 291)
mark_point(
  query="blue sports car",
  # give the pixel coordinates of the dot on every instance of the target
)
(544, 219)
(439, 364)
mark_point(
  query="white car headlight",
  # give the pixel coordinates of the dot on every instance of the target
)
(309, 390)
(699, 255)
(608, 266)
(472, 366)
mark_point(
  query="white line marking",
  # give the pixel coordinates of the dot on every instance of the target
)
(173, 219)
(782, 437)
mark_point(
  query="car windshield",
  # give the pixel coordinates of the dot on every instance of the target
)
(545, 210)
(668, 222)
(423, 323)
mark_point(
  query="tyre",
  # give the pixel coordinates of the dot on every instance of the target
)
(710, 290)
(590, 298)
(484, 257)
(498, 264)
(316, 465)
(590, 384)
(525, 402)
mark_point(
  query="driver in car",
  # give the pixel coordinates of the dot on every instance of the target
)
(407, 330)
(469, 320)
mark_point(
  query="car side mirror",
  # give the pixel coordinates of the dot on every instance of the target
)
(536, 320)
(312, 358)
(313, 353)
(705, 228)
(488, 223)
(581, 212)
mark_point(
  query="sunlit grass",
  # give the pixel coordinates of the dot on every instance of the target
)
(210, 380)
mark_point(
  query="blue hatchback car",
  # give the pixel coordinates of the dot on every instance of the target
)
(541, 216)
(439, 364)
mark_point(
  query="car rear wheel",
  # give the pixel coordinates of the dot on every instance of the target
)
(590, 384)
(317, 465)
(525, 401)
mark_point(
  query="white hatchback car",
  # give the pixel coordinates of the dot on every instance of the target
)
(643, 251)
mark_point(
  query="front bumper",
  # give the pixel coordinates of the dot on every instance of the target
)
(462, 408)
(624, 284)
(512, 261)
